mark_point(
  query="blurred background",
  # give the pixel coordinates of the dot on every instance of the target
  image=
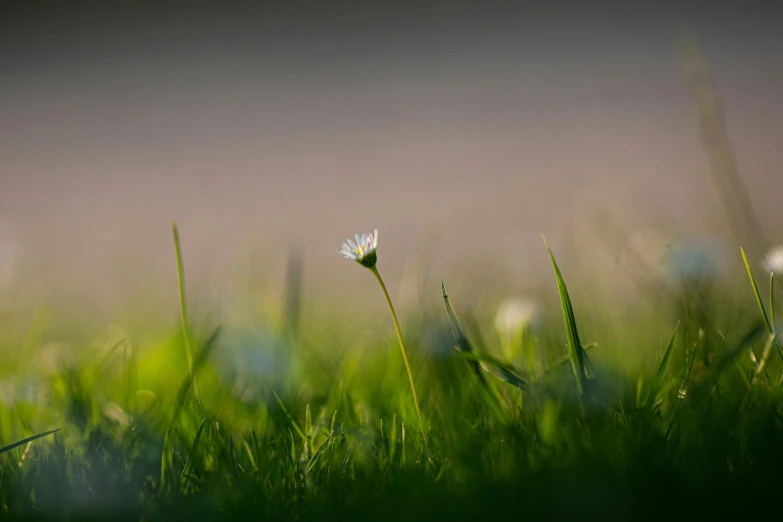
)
(462, 132)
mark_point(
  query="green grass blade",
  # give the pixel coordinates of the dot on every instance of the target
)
(320, 451)
(665, 361)
(703, 387)
(256, 448)
(772, 314)
(659, 374)
(166, 463)
(461, 343)
(725, 170)
(463, 346)
(564, 359)
(193, 454)
(308, 431)
(292, 454)
(250, 455)
(22, 442)
(293, 295)
(291, 419)
(575, 350)
(684, 387)
(756, 291)
(772, 299)
(184, 311)
(762, 362)
(496, 368)
(201, 358)
(504, 375)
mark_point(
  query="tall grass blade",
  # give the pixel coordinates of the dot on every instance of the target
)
(166, 463)
(683, 392)
(564, 359)
(762, 363)
(22, 442)
(575, 350)
(756, 291)
(184, 312)
(250, 456)
(308, 432)
(661, 372)
(772, 300)
(478, 362)
(724, 168)
(200, 360)
(461, 343)
(193, 454)
(772, 315)
(293, 295)
(291, 419)
(320, 451)
(496, 368)
(256, 448)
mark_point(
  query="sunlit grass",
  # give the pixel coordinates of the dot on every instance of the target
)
(314, 419)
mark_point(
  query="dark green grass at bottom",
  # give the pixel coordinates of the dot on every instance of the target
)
(585, 492)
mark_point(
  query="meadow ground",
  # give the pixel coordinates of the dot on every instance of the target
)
(671, 411)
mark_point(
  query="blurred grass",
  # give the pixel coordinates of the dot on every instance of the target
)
(312, 418)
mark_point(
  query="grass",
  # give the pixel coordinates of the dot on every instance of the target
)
(331, 432)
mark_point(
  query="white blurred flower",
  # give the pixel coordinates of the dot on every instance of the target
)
(773, 261)
(515, 314)
(363, 251)
(692, 261)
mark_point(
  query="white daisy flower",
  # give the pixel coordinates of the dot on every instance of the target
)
(363, 250)
(515, 314)
(773, 261)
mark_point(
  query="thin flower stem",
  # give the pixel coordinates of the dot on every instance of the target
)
(374, 270)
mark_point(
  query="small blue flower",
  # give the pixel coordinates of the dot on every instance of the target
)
(692, 261)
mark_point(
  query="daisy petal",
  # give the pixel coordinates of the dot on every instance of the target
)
(361, 248)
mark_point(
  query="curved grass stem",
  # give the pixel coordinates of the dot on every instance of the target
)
(374, 270)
